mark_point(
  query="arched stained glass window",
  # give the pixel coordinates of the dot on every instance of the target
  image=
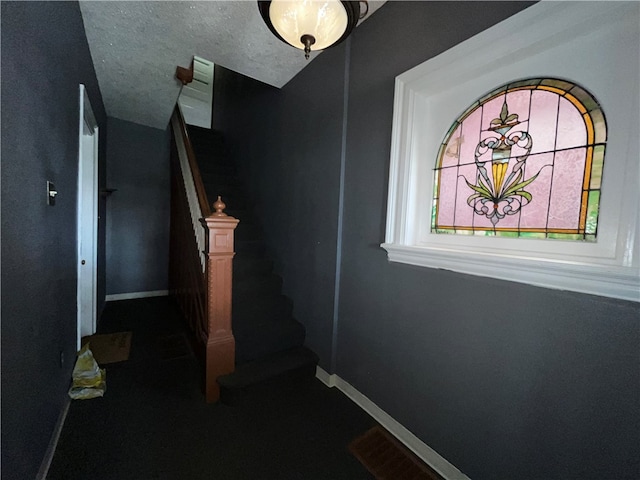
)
(525, 160)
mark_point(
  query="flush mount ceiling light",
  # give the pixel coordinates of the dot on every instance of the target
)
(311, 24)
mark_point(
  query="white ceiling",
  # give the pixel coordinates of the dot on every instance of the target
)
(136, 46)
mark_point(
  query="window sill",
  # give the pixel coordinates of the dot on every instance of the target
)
(610, 281)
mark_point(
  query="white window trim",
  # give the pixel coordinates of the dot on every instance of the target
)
(572, 40)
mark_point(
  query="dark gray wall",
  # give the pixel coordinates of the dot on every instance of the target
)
(44, 57)
(138, 212)
(504, 380)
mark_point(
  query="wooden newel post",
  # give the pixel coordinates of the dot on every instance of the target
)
(220, 343)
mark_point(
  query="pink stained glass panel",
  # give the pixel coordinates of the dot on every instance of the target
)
(470, 137)
(464, 213)
(571, 128)
(557, 160)
(542, 122)
(510, 221)
(519, 102)
(446, 205)
(534, 215)
(566, 189)
(452, 150)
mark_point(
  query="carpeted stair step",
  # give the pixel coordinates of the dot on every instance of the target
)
(251, 247)
(290, 367)
(265, 336)
(257, 337)
(203, 131)
(256, 285)
(247, 260)
(251, 265)
(230, 195)
(273, 306)
(212, 178)
(212, 142)
(244, 215)
(227, 192)
(235, 201)
(214, 170)
(224, 182)
(246, 231)
(213, 147)
(200, 135)
(209, 157)
(210, 151)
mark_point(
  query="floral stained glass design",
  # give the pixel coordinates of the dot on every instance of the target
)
(525, 160)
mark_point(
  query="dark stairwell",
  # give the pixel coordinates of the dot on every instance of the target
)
(269, 341)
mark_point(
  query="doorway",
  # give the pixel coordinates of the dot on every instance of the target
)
(87, 219)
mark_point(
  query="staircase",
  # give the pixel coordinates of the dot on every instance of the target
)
(269, 341)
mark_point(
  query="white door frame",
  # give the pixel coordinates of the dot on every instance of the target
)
(87, 227)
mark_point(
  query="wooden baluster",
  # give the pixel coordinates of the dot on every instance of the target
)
(220, 343)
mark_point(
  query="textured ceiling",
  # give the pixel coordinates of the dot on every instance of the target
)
(137, 45)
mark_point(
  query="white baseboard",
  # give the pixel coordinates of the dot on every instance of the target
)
(53, 443)
(413, 443)
(129, 296)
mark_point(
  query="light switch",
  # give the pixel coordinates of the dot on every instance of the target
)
(51, 193)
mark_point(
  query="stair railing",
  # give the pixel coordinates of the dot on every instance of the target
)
(201, 261)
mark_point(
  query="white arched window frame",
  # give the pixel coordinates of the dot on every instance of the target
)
(594, 44)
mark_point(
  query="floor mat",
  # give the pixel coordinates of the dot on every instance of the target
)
(109, 348)
(388, 459)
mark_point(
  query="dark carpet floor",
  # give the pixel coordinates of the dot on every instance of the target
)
(153, 423)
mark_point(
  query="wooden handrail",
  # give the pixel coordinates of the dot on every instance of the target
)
(193, 164)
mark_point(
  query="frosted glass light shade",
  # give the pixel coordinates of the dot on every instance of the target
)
(310, 24)
(324, 20)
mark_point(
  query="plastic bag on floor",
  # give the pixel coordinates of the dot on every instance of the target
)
(89, 380)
